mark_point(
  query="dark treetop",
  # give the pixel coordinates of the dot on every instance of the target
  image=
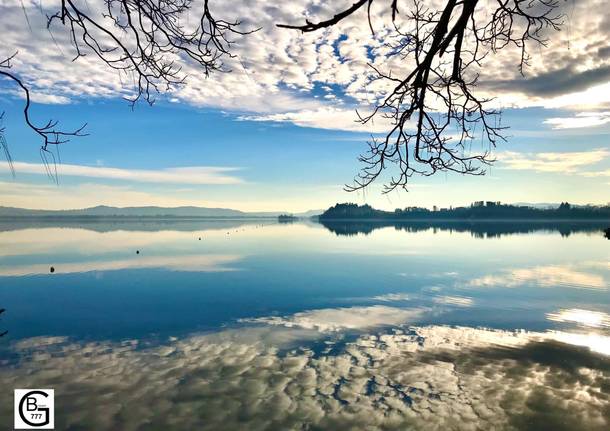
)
(478, 210)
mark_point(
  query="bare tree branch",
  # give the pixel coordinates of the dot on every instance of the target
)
(433, 109)
(147, 40)
(311, 26)
(49, 132)
(4, 145)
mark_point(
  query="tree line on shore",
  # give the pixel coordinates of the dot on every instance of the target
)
(478, 210)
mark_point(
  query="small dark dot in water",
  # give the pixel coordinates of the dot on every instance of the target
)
(51, 270)
(199, 238)
(137, 251)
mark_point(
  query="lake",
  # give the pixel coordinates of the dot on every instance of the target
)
(255, 324)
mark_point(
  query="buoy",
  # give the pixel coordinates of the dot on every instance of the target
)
(137, 251)
(199, 238)
(52, 269)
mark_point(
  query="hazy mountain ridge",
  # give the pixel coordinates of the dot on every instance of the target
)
(149, 211)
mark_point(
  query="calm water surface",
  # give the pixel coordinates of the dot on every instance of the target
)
(259, 325)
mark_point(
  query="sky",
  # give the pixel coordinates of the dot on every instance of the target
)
(279, 132)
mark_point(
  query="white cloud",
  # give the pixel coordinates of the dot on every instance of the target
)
(245, 197)
(605, 173)
(589, 99)
(182, 175)
(325, 118)
(274, 67)
(563, 162)
(580, 120)
(46, 196)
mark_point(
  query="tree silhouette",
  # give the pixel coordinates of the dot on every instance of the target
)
(433, 108)
(49, 132)
(139, 38)
(146, 36)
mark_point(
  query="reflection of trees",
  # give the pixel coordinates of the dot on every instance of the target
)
(477, 229)
(2, 310)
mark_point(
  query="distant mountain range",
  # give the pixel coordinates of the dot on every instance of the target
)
(338, 211)
(151, 211)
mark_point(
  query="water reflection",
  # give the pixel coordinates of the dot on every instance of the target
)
(179, 283)
(289, 326)
(109, 224)
(2, 333)
(200, 263)
(301, 373)
(460, 301)
(572, 275)
(109, 251)
(478, 229)
(336, 319)
(87, 242)
(595, 319)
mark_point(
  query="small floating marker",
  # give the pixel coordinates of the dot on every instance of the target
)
(137, 251)
(52, 270)
(199, 238)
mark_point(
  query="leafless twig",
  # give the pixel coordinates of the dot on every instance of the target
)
(147, 39)
(433, 109)
(49, 132)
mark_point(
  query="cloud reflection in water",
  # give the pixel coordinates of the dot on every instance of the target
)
(273, 377)
(576, 276)
(595, 319)
(336, 319)
(194, 263)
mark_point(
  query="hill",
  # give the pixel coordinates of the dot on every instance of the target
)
(150, 211)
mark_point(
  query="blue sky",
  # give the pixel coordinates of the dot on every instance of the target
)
(286, 139)
(275, 166)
